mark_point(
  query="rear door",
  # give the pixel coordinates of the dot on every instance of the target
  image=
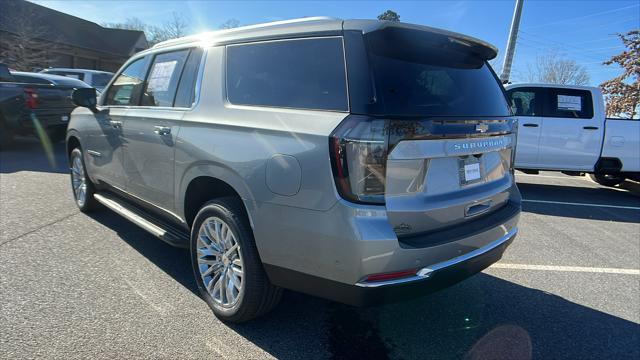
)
(571, 135)
(151, 129)
(526, 104)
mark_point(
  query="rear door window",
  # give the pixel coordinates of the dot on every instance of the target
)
(163, 78)
(299, 73)
(127, 87)
(568, 103)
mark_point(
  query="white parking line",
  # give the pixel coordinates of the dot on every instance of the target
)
(581, 204)
(554, 177)
(566, 268)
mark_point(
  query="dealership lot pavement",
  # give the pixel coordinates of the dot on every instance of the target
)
(77, 286)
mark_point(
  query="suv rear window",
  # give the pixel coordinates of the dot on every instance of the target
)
(302, 73)
(414, 78)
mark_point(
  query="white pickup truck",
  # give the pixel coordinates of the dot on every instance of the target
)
(564, 128)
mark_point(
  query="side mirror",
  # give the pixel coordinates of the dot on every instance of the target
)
(85, 97)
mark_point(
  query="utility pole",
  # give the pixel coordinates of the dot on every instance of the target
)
(511, 43)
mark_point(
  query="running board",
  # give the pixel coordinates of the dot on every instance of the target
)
(164, 231)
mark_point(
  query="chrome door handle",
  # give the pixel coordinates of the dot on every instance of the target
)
(116, 124)
(162, 130)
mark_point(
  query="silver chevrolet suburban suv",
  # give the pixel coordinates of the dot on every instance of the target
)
(360, 161)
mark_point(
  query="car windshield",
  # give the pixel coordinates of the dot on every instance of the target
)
(433, 80)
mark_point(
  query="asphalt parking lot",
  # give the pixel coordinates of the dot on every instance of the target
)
(79, 286)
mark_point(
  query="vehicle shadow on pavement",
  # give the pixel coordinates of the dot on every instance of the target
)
(588, 195)
(27, 154)
(484, 317)
(174, 261)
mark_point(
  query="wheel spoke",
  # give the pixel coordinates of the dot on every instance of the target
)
(220, 261)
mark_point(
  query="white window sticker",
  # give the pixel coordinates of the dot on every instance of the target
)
(472, 172)
(569, 103)
(161, 76)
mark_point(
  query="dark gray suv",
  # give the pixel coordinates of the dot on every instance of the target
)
(360, 161)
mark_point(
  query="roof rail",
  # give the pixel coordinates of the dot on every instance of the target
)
(198, 37)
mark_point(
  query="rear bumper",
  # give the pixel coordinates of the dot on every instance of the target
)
(330, 254)
(427, 280)
(48, 118)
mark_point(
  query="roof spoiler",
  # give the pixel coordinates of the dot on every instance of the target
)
(434, 36)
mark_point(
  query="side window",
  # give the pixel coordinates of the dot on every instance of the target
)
(569, 103)
(186, 89)
(304, 73)
(127, 87)
(163, 78)
(74, 75)
(524, 102)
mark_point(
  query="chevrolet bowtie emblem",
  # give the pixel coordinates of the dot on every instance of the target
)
(482, 128)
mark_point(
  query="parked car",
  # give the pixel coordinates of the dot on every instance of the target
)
(96, 78)
(563, 128)
(360, 161)
(48, 97)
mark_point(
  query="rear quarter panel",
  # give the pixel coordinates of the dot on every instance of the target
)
(236, 143)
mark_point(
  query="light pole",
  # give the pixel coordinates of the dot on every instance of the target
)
(511, 43)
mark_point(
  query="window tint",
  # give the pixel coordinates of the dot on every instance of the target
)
(524, 102)
(73, 75)
(186, 89)
(307, 73)
(127, 87)
(569, 103)
(100, 80)
(417, 76)
(163, 78)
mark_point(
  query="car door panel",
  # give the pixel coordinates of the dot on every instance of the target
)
(103, 145)
(571, 135)
(526, 106)
(149, 154)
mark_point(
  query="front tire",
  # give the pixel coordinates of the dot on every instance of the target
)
(607, 179)
(226, 264)
(81, 186)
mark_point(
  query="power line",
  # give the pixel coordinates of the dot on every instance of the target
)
(583, 16)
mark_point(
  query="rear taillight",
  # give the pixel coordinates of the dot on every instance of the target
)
(31, 98)
(358, 148)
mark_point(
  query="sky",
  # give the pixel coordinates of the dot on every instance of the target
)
(583, 31)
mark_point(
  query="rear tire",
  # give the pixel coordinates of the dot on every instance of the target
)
(81, 186)
(607, 179)
(226, 264)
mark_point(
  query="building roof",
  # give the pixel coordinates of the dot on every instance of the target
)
(51, 25)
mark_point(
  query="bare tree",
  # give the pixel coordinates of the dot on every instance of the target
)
(553, 69)
(623, 92)
(230, 24)
(28, 45)
(389, 15)
(177, 26)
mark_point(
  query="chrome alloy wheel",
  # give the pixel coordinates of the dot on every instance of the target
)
(78, 181)
(220, 262)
